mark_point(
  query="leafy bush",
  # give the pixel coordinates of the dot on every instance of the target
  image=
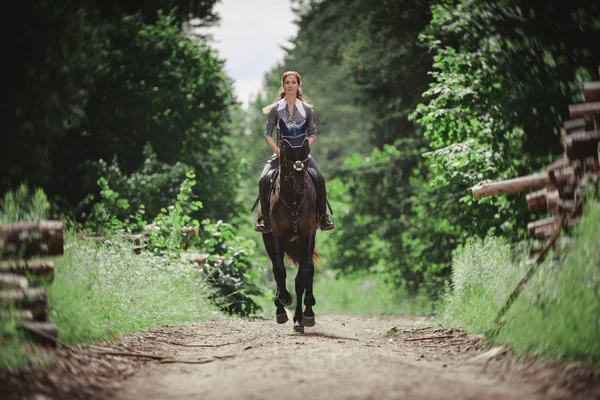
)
(154, 184)
(230, 270)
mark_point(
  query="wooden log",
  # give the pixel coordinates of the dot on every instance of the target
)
(19, 315)
(567, 205)
(536, 200)
(581, 144)
(32, 238)
(591, 91)
(574, 125)
(584, 109)
(35, 268)
(45, 333)
(560, 162)
(543, 232)
(13, 281)
(532, 226)
(529, 182)
(552, 198)
(33, 299)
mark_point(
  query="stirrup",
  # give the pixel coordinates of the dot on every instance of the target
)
(327, 223)
(262, 225)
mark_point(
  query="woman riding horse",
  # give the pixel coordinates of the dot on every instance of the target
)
(291, 108)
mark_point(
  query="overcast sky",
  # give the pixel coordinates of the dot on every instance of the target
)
(249, 38)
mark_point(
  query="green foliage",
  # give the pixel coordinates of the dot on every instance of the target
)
(368, 294)
(166, 231)
(483, 276)
(153, 185)
(229, 265)
(229, 269)
(21, 205)
(490, 117)
(560, 303)
(103, 290)
(103, 88)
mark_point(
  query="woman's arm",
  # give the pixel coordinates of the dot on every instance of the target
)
(270, 125)
(312, 126)
(272, 145)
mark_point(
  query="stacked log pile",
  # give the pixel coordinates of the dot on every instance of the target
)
(20, 272)
(559, 190)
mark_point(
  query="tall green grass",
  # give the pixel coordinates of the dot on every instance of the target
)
(102, 290)
(357, 294)
(557, 314)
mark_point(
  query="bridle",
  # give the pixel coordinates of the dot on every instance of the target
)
(298, 165)
(298, 169)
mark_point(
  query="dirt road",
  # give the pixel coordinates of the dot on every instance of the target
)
(342, 357)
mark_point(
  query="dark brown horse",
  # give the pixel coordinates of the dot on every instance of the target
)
(294, 225)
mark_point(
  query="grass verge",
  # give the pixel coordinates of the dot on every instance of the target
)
(104, 290)
(557, 314)
(353, 295)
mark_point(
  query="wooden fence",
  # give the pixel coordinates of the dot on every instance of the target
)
(559, 190)
(20, 273)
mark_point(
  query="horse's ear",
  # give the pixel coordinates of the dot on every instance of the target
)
(304, 125)
(283, 128)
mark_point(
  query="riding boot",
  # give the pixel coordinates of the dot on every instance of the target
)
(262, 224)
(325, 221)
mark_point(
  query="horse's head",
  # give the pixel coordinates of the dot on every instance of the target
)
(294, 152)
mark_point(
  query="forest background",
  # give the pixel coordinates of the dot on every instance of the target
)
(124, 119)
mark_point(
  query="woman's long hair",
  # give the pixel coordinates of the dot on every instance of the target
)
(281, 94)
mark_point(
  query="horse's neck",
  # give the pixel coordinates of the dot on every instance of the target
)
(285, 187)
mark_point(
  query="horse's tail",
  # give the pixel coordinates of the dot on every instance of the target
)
(292, 251)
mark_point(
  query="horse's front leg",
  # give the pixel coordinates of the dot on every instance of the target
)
(282, 296)
(304, 280)
(308, 317)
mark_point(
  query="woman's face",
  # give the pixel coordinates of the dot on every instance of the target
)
(290, 84)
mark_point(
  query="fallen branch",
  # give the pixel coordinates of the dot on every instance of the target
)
(203, 345)
(429, 337)
(174, 360)
(130, 354)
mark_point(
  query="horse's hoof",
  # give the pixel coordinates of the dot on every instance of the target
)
(282, 318)
(299, 328)
(308, 321)
(286, 302)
